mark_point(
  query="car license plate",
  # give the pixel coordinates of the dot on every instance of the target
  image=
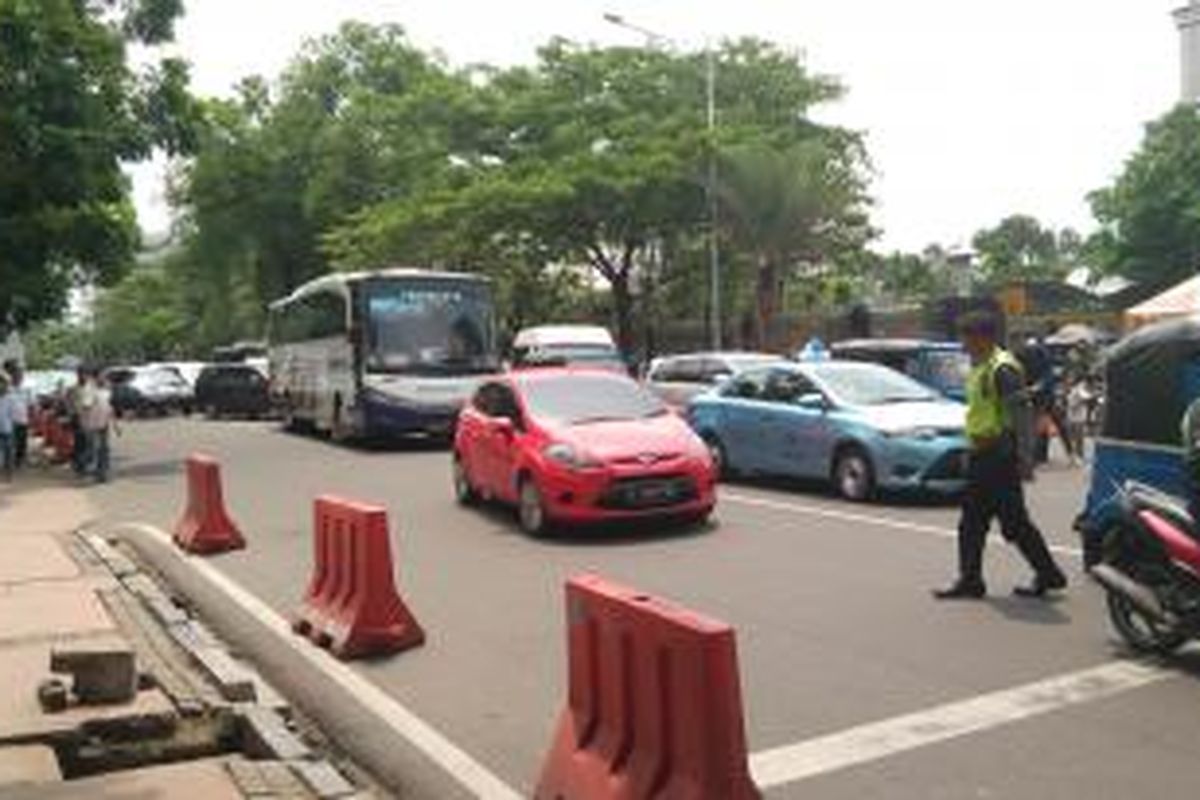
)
(652, 492)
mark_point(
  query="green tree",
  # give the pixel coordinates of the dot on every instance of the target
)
(793, 211)
(49, 342)
(142, 318)
(1020, 249)
(358, 118)
(71, 111)
(597, 158)
(907, 276)
(1150, 216)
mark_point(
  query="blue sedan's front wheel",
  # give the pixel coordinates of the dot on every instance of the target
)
(853, 475)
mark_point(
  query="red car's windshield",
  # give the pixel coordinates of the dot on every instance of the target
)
(579, 399)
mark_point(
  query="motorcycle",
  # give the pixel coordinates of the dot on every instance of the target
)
(1150, 570)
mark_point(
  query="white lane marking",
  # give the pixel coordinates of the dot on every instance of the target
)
(878, 740)
(849, 516)
(473, 776)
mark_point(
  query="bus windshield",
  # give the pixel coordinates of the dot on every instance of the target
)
(428, 326)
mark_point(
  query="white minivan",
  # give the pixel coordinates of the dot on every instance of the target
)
(567, 345)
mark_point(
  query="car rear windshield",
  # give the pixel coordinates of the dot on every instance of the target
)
(580, 399)
(870, 384)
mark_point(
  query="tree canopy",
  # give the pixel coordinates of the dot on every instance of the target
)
(598, 157)
(72, 110)
(580, 183)
(1020, 249)
(1150, 216)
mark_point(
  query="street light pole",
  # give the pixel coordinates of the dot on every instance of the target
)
(714, 249)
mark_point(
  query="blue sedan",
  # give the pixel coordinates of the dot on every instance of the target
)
(862, 426)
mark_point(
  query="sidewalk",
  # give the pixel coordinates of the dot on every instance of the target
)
(150, 703)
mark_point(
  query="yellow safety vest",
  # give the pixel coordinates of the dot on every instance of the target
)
(987, 415)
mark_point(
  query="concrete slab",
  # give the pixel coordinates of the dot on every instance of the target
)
(34, 558)
(51, 609)
(43, 510)
(196, 780)
(22, 667)
(33, 763)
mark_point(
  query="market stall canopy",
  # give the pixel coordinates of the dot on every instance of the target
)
(1181, 300)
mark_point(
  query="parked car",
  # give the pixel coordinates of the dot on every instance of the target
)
(862, 426)
(233, 390)
(188, 370)
(148, 390)
(940, 365)
(567, 345)
(45, 384)
(677, 379)
(569, 445)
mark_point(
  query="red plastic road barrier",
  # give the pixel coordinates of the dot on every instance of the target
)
(60, 439)
(206, 526)
(351, 605)
(654, 706)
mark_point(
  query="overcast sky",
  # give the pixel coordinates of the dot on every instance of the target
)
(972, 110)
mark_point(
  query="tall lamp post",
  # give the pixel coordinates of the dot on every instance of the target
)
(714, 251)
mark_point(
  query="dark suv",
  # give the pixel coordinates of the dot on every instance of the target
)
(232, 390)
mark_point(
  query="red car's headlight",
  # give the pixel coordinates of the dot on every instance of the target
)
(566, 455)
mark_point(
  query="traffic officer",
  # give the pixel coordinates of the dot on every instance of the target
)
(999, 458)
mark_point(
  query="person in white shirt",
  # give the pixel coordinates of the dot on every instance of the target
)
(96, 417)
(22, 402)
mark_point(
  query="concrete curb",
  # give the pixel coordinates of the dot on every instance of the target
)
(404, 753)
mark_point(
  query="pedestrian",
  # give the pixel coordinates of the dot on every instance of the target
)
(1079, 405)
(998, 460)
(7, 413)
(77, 397)
(97, 420)
(1040, 374)
(22, 404)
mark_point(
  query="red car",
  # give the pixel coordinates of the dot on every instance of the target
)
(578, 446)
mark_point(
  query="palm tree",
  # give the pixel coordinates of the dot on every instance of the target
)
(790, 208)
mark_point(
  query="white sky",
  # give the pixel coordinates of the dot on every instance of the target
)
(973, 110)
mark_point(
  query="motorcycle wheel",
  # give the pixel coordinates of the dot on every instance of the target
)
(1141, 634)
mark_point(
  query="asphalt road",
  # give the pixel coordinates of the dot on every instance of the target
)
(836, 629)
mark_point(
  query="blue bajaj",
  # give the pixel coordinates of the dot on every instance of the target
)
(1151, 377)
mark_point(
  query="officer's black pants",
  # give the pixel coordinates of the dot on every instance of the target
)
(994, 492)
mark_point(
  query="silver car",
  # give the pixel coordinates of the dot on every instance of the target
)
(677, 379)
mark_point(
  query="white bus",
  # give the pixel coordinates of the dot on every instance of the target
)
(376, 354)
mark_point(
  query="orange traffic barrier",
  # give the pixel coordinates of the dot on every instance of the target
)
(654, 706)
(60, 439)
(351, 604)
(206, 526)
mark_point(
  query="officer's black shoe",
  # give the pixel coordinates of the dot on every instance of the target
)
(961, 591)
(1042, 586)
